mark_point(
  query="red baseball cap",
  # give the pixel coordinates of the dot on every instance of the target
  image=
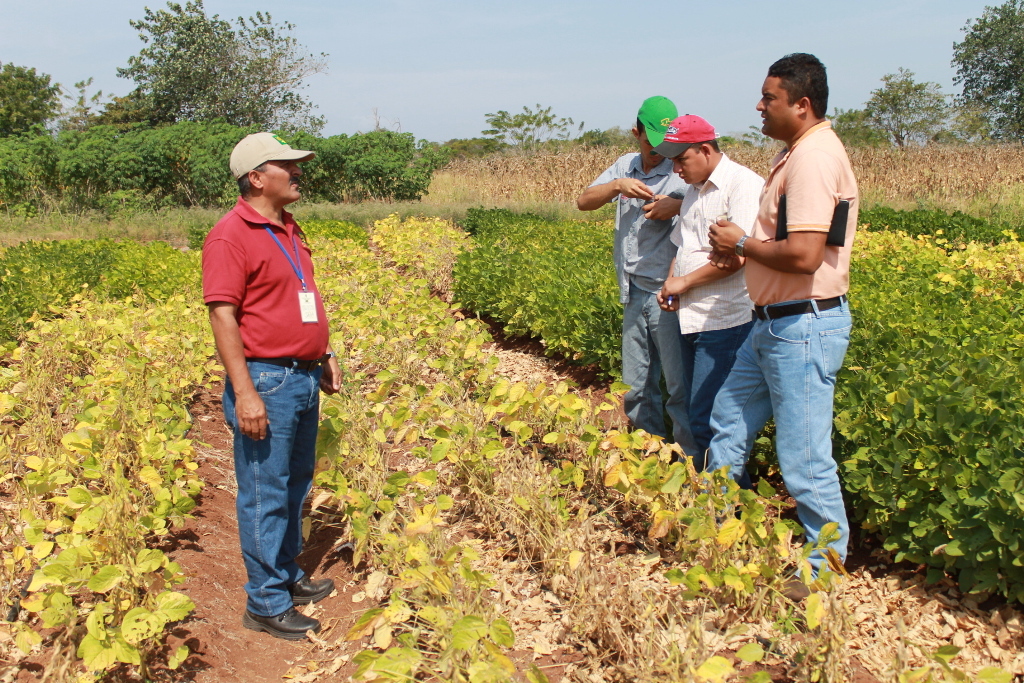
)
(683, 132)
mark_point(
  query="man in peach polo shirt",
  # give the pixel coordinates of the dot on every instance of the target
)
(797, 272)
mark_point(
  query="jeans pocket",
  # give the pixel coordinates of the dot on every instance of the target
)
(792, 329)
(268, 383)
(833, 349)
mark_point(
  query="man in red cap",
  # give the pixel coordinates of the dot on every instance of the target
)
(712, 303)
(647, 195)
(271, 331)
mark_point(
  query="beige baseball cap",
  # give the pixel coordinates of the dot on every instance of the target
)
(257, 148)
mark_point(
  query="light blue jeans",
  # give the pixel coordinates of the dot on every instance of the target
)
(650, 345)
(274, 476)
(707, 359)
(787, 368)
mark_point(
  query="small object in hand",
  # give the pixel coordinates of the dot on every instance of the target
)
(671, 299)
(723, 217)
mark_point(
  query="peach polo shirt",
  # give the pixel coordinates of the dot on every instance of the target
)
(814, 175)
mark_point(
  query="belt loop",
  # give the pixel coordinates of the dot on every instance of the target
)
(814, 306)
(295, 365)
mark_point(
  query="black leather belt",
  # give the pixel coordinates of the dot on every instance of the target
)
(773, 311)
(293, 362)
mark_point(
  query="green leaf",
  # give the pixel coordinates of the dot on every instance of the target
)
(467, 631)
(751, 652)
(106, 578)
(174, 606)
(149, 560)
(535, 675)
(501, 633)
(97, 655)
(177, 657)
(138, 624)
(991, 674)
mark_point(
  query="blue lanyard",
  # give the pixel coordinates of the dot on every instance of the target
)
(296, 264)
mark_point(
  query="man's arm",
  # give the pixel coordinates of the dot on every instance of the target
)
(596, 196)
(801, 252)
(250, 411)
(702, 276)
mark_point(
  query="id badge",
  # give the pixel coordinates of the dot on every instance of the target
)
(307, 306)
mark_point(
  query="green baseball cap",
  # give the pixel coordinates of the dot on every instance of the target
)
(656, 113)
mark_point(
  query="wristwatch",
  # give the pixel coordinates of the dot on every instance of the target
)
(739, 245)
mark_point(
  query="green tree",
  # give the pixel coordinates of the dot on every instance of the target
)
(856, 129)
(989, 66)
(907, 111)
(27, 99)
(197, 67)
(473, 147)
(80, 112)
(530, 128)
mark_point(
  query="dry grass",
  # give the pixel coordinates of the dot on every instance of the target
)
(984, 180)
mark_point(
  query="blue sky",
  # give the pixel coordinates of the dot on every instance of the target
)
(436, 69)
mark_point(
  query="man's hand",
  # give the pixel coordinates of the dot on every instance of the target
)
(251, 414)
(330, 380)
(663, 208)
(634, 189)
(668, 297)
(724, 235)
(729, 263)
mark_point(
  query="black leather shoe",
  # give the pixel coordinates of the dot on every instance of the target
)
(306, 590)
(290, 624)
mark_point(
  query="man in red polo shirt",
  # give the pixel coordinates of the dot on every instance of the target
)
(271, 331)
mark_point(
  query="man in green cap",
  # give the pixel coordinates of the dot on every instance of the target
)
(648, 196)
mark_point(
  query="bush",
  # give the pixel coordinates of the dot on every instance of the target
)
(928, 405)
(929, 408)
(40, 277)
(958, 228)
(186, 164)
(550, 280)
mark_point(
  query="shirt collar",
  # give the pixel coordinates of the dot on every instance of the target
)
(721, 173)
(811, 131)
(250, 215)
(638, 165)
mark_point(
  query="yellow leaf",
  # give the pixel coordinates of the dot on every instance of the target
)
(715, 669)
(575, 557)
(815, 610)
(730, 532)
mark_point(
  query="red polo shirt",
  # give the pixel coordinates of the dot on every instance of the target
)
(242, 265)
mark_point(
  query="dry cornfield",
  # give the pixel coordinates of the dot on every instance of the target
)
(966, 177)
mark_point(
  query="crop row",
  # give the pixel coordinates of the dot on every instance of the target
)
(535, 464)
(928, 402)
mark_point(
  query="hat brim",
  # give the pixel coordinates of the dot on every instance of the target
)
(670, 150)
(293, 155)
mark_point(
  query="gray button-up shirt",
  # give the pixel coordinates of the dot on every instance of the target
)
(643, 250)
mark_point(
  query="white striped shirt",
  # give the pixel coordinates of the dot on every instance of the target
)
(732, 190)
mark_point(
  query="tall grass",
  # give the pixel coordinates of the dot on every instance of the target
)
(985, 180)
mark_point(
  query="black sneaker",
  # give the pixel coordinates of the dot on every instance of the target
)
(290, 624)
(306, 590)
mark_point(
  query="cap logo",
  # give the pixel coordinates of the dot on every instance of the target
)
(276, 137)
(666, 121)
(671, 130)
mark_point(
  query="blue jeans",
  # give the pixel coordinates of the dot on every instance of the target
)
(787, 368)
(274, 476)
(650, 344)
(707, 359)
